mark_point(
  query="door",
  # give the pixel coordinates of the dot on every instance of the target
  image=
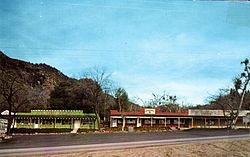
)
(36, 124)
(77, 124)
(138, 124)
(114, 122)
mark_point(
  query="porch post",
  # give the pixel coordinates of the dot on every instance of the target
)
(218, 122)
(151, 122)
(110, 122)
(205, 122)
(192, 122)
(38, 121)
(179, 123)
(123, 123)
(165, 121)
(55, 123)
(30, 123)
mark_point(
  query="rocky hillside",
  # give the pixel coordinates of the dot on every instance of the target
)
(41, 78)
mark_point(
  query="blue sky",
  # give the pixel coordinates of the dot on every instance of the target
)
(185, 48)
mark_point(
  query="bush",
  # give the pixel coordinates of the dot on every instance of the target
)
(32, 131)
(85, 130)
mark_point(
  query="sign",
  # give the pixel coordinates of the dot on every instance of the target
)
(195, 112)
(149, 111)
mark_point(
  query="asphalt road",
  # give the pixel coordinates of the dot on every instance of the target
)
(109, 146)
(55, 140)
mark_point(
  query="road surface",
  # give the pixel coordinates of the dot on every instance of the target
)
(35, 144)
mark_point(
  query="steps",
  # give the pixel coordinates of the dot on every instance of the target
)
(74, 131)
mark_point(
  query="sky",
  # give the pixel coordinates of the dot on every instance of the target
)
(190, 49)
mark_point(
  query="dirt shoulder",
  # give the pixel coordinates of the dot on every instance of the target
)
(219, 148)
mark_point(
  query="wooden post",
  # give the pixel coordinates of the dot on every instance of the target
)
(151, 122)
(179, 123)
(218, 122)
(55, 123)
(110, 122)
(123, 123)
(38, 121)
(205, 122)
(165, 121)
(30, 123)
(192, 122)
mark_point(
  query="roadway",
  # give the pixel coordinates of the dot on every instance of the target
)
(33, 144)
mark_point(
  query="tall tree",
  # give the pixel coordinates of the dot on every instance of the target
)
(93, 96)
(122, 100)
(103, 81)
(241, 86)
(14, 93)
(231, 101)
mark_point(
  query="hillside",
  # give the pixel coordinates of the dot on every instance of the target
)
(41, 78)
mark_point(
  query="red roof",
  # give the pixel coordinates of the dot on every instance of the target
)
(141, 112)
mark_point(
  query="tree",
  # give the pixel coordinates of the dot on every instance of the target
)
(14, 94)
(167, 103)
(122, 100)
(231, 101)
(226, 101)
(104, 83)
(72, 95)
(241, 86)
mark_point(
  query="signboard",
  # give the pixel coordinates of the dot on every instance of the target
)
(149, 111)
(205, 112)
(196, 112)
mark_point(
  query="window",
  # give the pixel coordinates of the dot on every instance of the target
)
(23, 121)
(168, 121)
(131, 121)
(66, 121)
(175, 121)
(87, 122)
(46, 121)
(182, 121)
(147, 121)
(161, 121)
(119, 121)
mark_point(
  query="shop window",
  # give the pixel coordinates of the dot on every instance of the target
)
(182, 121)
(175, 121)
(119, 121)
(87, 122)
(23, 121)
(168, 121)
(46, 121)
(66, 121)
(131, 121)
(147, 121)
(161, 121)
(210, 122)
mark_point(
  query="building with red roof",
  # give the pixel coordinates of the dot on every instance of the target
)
(153, 117)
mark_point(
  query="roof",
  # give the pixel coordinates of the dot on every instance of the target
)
(55, 113)
(6, 112)
(143, 112)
